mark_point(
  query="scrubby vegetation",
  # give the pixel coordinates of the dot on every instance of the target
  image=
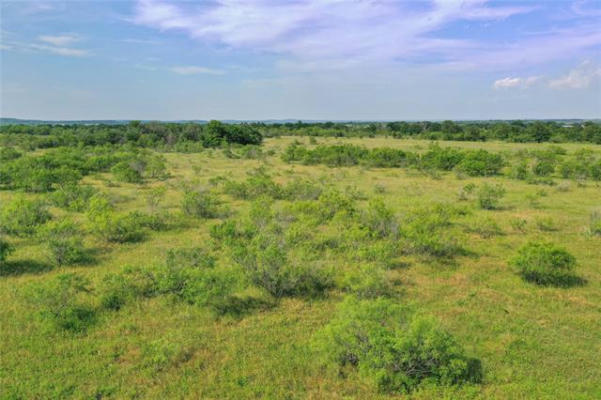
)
(201, 261)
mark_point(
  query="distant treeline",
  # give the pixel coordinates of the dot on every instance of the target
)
(192, 136)
(174, 136)
(511, 131)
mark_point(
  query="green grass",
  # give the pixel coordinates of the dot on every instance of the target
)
(534, 342)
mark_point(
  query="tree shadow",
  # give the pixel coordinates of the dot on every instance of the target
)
(20, 267)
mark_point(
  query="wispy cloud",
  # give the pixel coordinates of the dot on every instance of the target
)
(61, 51)
(320, 33)
(516, 82)
(580, 77)
(59, 40)
(195, 70)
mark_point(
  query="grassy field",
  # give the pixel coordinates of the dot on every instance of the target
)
(540, 342)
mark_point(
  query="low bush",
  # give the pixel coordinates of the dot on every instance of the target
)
(485, 227)
(394, 350)
(368, 282)
(116, 290)
(481, 163)
(545, 264)
(5, 249)
(490, 195)
(64, 241)
(64, 302)
(424, 233)
(22, 217)
(73, 197)
(128, 171)
(201, 204)
(380, 220)
(119, 228)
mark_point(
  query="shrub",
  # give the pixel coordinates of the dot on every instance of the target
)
(485, 227)
(545, 264)
(5, 249)
(64, 241)
(8, 154)
(423, 233)
(380, 220)
(126, 171)
(545, 224)
(201, 204)
(62, 301)
(368, 282)
(119, 289)
(481, 163)
(544, 167)
(114, 227)
(73, 197)
(394, 350)
(22, 217)
(518, 224)
(490, 195)
(193, 258)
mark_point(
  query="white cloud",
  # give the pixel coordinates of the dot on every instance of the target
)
(512, 82)
(580, 77)
(59, 40)
(194, 70)
(326, 34)
(61, 51)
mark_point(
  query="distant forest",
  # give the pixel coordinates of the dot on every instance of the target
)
(189, 136)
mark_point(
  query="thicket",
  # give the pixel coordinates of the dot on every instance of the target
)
(22, 216)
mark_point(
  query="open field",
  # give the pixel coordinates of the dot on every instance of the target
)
(533, 341)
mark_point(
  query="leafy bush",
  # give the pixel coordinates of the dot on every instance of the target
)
(485, 227)
(481, 163)
(423, 233)
(368, 282)
(119, 289)
(120, 228)
(63, 302)
(5, 249)
(128, 171)
(380, 220)
(64, 241)
(490, 195)
(73, 197)
(196, 257)
(394, 350)
(201, 204)
(545, 264)
(22, 217)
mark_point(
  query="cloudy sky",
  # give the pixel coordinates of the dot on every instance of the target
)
(306, 59)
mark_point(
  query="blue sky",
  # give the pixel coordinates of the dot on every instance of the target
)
(307, 59)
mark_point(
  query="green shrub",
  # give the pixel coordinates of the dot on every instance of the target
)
(22, 217)
(8, 154)
(490, 195)
(481, 163)
(545, 264)
(368, 282)
(64, 241)
(397, 352)
(63, 301)
(545, 224)
(119, 228)
(201, 204)
(518, 224)
(73, 197)
(380, 220)
(5, 249)
(424, 233)
(544, 167)
(119, 289)
(193, 258)
(485, 227)
(128, 171)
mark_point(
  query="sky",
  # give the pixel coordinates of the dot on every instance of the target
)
(300, 59)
